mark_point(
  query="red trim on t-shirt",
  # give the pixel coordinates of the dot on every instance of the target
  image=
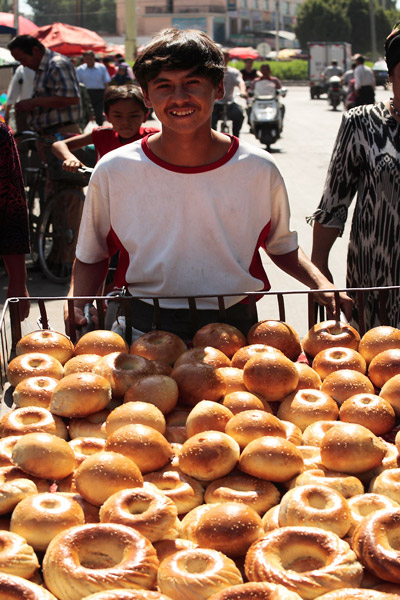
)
(200, 169)
(256, 268)
(114, 244)
(106, 139)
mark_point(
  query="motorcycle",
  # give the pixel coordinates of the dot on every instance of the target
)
(335, 91)
(266, 114)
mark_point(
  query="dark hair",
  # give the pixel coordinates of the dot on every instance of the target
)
(392, 48)
(114, 93)
(25, 43)
(173, 50)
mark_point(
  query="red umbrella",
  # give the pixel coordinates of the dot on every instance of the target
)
(243, 53)
(25, 26)
(69, 39)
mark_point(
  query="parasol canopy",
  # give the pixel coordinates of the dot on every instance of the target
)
(25, 26)
(69, 39)
(243, 53)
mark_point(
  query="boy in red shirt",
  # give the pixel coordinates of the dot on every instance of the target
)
(126, 111)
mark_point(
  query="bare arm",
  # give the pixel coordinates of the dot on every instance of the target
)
(16, 269)
(63, 150)
(86, 280)
(298, 265)
(323, 240)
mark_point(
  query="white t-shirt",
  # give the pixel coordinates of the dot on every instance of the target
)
(363, 75)
(187, 231)
(21, 85)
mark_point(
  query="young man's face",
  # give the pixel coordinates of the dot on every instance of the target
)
(126, 116)
(183, 100)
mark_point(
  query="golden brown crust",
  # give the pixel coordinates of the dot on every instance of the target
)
(86, 446)
(83, 363)
(127, 595)
(335, 359)
(40, 517)
(256, 591)
(185, 491)
(207, 415)
(146, 446)
(271, 376)
(44, 455)
(384, 366)
(303, 559)
(257, 493)
(375, 543)
(387, 483)
(80, 395)
(50, 342)
(31, 419)
(222, 336)
(272, 458)
(96, 557)
(240, 358)
(103, 474)
(308, 378)
(33, 364)
(304, 407)
(328, 334)
(230, 527)
(252, 424)
(159, 345)
(34, 391)
(159, 389)
(197, 574)
(344, 383)
(241, 400)
(17, 557)
(315, 506)
(137, 412)
(352, 449)
(346, 485)
(146, 509)
(358, 594)
(277, 334)
(363, 505)
(199, 381)
(209, 455)
(100, 342)
(377, 340)
(369, 410)
(122, 369)
(13, 587)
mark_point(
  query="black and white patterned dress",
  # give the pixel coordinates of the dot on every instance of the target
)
(366, 162)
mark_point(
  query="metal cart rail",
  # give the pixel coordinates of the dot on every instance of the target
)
(11, 327)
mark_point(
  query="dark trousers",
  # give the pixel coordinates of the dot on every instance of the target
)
(183, 322)
(234, 113)
(97, 98)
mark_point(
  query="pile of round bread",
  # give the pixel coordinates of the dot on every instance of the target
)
(258, 468)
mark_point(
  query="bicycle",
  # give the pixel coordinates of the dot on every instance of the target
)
(53, 219)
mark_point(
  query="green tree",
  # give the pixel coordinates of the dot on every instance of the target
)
(322, 20)
(97, 15)
(6, 5)
(359, 15)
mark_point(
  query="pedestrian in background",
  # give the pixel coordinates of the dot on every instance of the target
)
(364, 82)
(20, 88)
(14, 230)
(95, 77)
(366, 162)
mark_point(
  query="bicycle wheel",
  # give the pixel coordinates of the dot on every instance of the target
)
(35, 194)
(58, 233)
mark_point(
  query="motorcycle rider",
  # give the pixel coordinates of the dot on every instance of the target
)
(265, 70)
(332, 70)
(232, 79)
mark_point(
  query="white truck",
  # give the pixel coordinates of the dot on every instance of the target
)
(321, 54)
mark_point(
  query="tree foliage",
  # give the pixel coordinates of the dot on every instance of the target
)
(97, 15)
(346, 21)
(6, 5)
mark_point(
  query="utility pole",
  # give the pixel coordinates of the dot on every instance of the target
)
(130, 30)
(16, 16)
(277, 25)
(373, 30)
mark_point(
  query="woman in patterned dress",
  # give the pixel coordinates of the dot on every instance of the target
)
(14, 231)
(366, 162)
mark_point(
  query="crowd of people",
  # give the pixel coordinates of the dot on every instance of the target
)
(169, 203)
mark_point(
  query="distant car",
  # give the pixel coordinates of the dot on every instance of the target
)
(381, 73)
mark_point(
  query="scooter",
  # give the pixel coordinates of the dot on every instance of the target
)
(335, 91)
(266, 115)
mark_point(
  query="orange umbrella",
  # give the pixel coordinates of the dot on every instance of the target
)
(69, 39)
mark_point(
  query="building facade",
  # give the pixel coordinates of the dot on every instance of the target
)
(234, 22)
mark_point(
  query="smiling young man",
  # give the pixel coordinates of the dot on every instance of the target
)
(189, 207)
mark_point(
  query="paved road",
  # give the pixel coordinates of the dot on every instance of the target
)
(303, 155)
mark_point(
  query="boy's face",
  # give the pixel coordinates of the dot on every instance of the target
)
(126, 116)
(183, 100)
